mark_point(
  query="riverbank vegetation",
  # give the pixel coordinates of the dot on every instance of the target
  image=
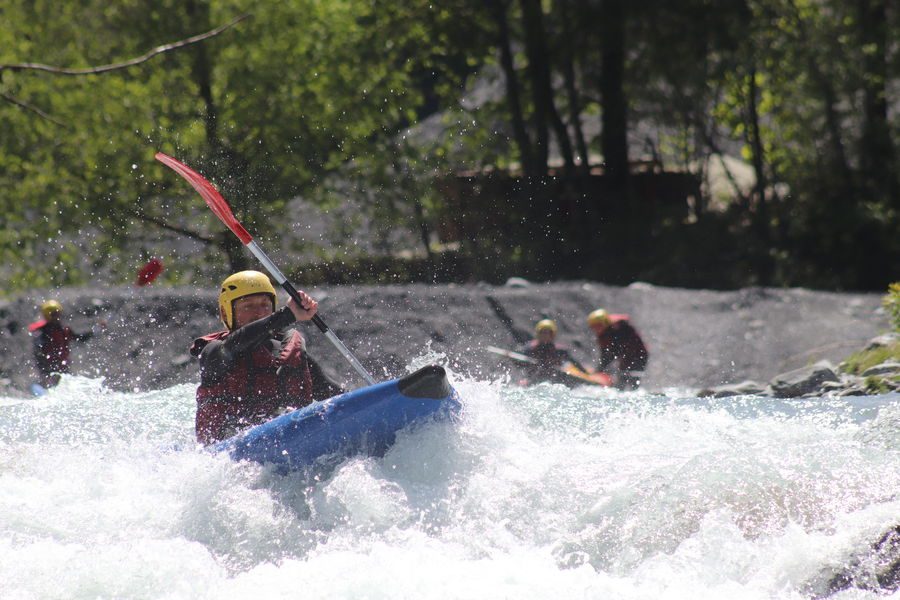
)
(686, 144)
(887, 351)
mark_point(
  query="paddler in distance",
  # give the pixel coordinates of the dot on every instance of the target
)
(550, 356)
(621, 348)
(51, 339)
(255, 370)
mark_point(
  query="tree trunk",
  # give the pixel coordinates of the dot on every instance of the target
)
(535, 49)
(569, 43)
(754, 139)
(542, 86)
(764, 266)
(876, 147)
(614, 136)
(830, 102)
(425, 236)
(199, 15)
(234, 250)
(513, 96)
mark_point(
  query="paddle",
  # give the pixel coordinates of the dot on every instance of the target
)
(516, 356)
(518, 335)
(221, 209)
(569, 370)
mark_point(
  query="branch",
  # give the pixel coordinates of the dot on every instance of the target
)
(34, 109)
(123, 65)
(164, 225)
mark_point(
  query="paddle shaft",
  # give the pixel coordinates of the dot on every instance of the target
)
(220, 208)
(523, 358)
(513, 355)
(273, 269)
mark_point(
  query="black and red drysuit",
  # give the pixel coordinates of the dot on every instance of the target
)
(620, 343)
(550, 359)
(51, 347)
(251, 374)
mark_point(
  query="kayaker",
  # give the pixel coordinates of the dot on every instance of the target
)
(51, 343)
(621, 348)
(256, 368)
(551, 356)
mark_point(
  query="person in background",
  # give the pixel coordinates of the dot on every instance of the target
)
(256, 368)
(549, 355)
(51, 341)
(622, 351)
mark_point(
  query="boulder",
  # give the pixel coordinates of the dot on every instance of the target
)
(834, 386)
(854, 391)
(885, 368)
(803, 380)
(517, 282)
(883, 340)
(744, 388)
(875, 568)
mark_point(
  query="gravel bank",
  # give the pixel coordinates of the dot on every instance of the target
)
(697, 338)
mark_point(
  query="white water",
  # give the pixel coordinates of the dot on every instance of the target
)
(537, 493)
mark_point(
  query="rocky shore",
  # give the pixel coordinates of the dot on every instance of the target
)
(699, 340)
(824, 379)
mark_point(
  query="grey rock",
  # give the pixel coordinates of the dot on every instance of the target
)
(883, 340)
(885, 368)
(804, 380)
(874, 568)
(744, 388)
(834, 386)
(517, 282)
(853, 391)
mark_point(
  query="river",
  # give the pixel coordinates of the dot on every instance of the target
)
(543, 492)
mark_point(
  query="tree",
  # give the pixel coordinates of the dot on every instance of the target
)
(289, 96)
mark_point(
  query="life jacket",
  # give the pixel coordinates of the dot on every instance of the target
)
(259, 385)
(550, 360)
(621, 342)
(52, 351)
(548, 355)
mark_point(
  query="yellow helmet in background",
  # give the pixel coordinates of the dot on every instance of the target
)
(545, 325)
(243, 283)
(599, 317)
(50, 308)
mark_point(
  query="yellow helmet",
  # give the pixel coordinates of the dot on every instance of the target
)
(598, 317)
(545, 325)
(243, 283)
(50, 308)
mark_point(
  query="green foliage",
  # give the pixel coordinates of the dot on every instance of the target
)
(881, 385)
(857, 363)
(891, 302)
(379, 100)
(298, 90)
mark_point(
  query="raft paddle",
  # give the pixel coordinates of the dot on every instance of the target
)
(221, 209)
(569, 369)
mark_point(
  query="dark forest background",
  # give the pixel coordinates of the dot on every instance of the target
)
(695, 143)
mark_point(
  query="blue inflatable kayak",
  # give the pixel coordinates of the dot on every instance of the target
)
(364, 421)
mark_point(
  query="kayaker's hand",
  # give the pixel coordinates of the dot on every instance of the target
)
(306, 310)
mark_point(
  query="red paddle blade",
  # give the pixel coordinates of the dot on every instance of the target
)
(213, 198)
(149, 272)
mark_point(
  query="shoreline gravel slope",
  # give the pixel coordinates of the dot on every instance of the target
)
(697, 338)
